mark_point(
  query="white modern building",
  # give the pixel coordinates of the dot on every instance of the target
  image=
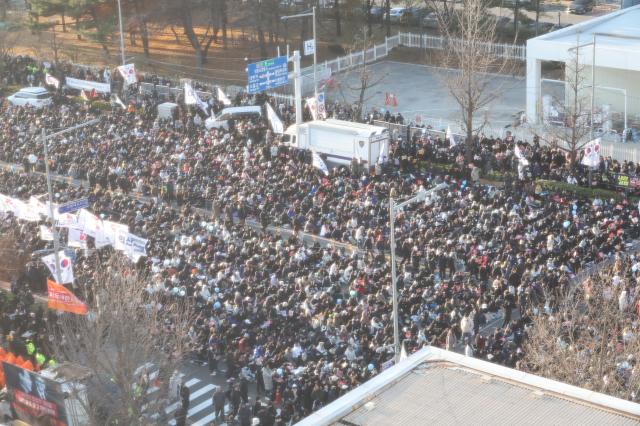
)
(438, 387)
(612, 43)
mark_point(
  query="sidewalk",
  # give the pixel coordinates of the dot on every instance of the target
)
(5, 286)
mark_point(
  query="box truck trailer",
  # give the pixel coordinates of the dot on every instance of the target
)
(340, 141)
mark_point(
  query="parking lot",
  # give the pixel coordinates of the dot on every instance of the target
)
(421, 94)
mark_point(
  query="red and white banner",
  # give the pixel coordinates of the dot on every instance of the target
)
(128, 72)
(61, 299)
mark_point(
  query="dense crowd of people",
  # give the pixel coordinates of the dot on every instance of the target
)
(311, 320)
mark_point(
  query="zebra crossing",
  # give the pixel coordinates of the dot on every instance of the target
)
(200, 412)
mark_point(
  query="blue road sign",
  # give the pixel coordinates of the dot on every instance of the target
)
(267, 74)
(74, 205)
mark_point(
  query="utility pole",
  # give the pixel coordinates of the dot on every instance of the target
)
(45, 138)
(121, 33)
(56, 243)
(297, 85)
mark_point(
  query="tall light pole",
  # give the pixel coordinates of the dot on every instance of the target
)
(393, 209)
(44, 138)
(121, 33)
(315, 44)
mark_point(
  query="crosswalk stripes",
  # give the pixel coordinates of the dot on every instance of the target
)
(201, 411)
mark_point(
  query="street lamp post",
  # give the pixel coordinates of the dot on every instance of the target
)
(315, 44)
(121, 33)
(44, 137)
(393, 209)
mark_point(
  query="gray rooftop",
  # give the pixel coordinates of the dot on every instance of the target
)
(444, 394)
(437, 387)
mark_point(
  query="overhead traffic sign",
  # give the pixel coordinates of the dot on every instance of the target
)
(74, 205)
(267, 74)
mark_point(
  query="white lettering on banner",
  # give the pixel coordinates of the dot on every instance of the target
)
(112, 229)
(89, 223)
(134, 246)
(78, 84)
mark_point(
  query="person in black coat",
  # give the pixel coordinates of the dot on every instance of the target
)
(185, 395)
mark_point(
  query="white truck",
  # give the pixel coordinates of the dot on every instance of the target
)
(341, 141)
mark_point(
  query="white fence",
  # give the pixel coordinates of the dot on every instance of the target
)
(425, 41)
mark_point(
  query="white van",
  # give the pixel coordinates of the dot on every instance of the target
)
(221, 121)
(36, 97)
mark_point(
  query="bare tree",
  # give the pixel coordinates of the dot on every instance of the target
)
(468, 60)
(364, 79)
(571, 129)
(13, 259)
(126, 328)
(591, 340)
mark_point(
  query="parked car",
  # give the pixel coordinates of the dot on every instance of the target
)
(398, 15)
(226, 117)
(37, 97)
(580, 7)
(430, 20)
(377, 13)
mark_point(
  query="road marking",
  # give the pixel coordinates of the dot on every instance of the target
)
(192, 382)
(205, 420)
(202, 391)
(207, 403)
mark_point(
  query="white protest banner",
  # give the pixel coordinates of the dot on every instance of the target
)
(66, 220)
(77, 239)
(128, 72)
(41, 207)
(25, 211)
(222, 97)
(89, 223)
(78, 84)
(8, 204)
(45, 233)
(134, 246)
(318, 163)
(313, 107)
(51, 80)
(452, 140)
(322, 111)
(192, 98)
(591, 156)
(111, 230)
(276, 123)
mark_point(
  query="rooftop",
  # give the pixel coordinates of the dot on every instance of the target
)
(434, 386)
(620, 24)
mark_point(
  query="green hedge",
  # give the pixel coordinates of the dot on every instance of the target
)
(497, 178)
(551, 185)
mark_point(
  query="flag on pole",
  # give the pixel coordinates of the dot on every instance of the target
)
(382, 157)
(387, 99)
(319, 163)
(452, 140)
(394, 101)
(118, 101)
(191, 98)
(321, 110)
(276, 123)
(222, 97)
(84, 96)
(313, 107)
(61, 299)
(65, 266)
(591, 157)
(128, 72)
(51, 80)
(403, 353)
